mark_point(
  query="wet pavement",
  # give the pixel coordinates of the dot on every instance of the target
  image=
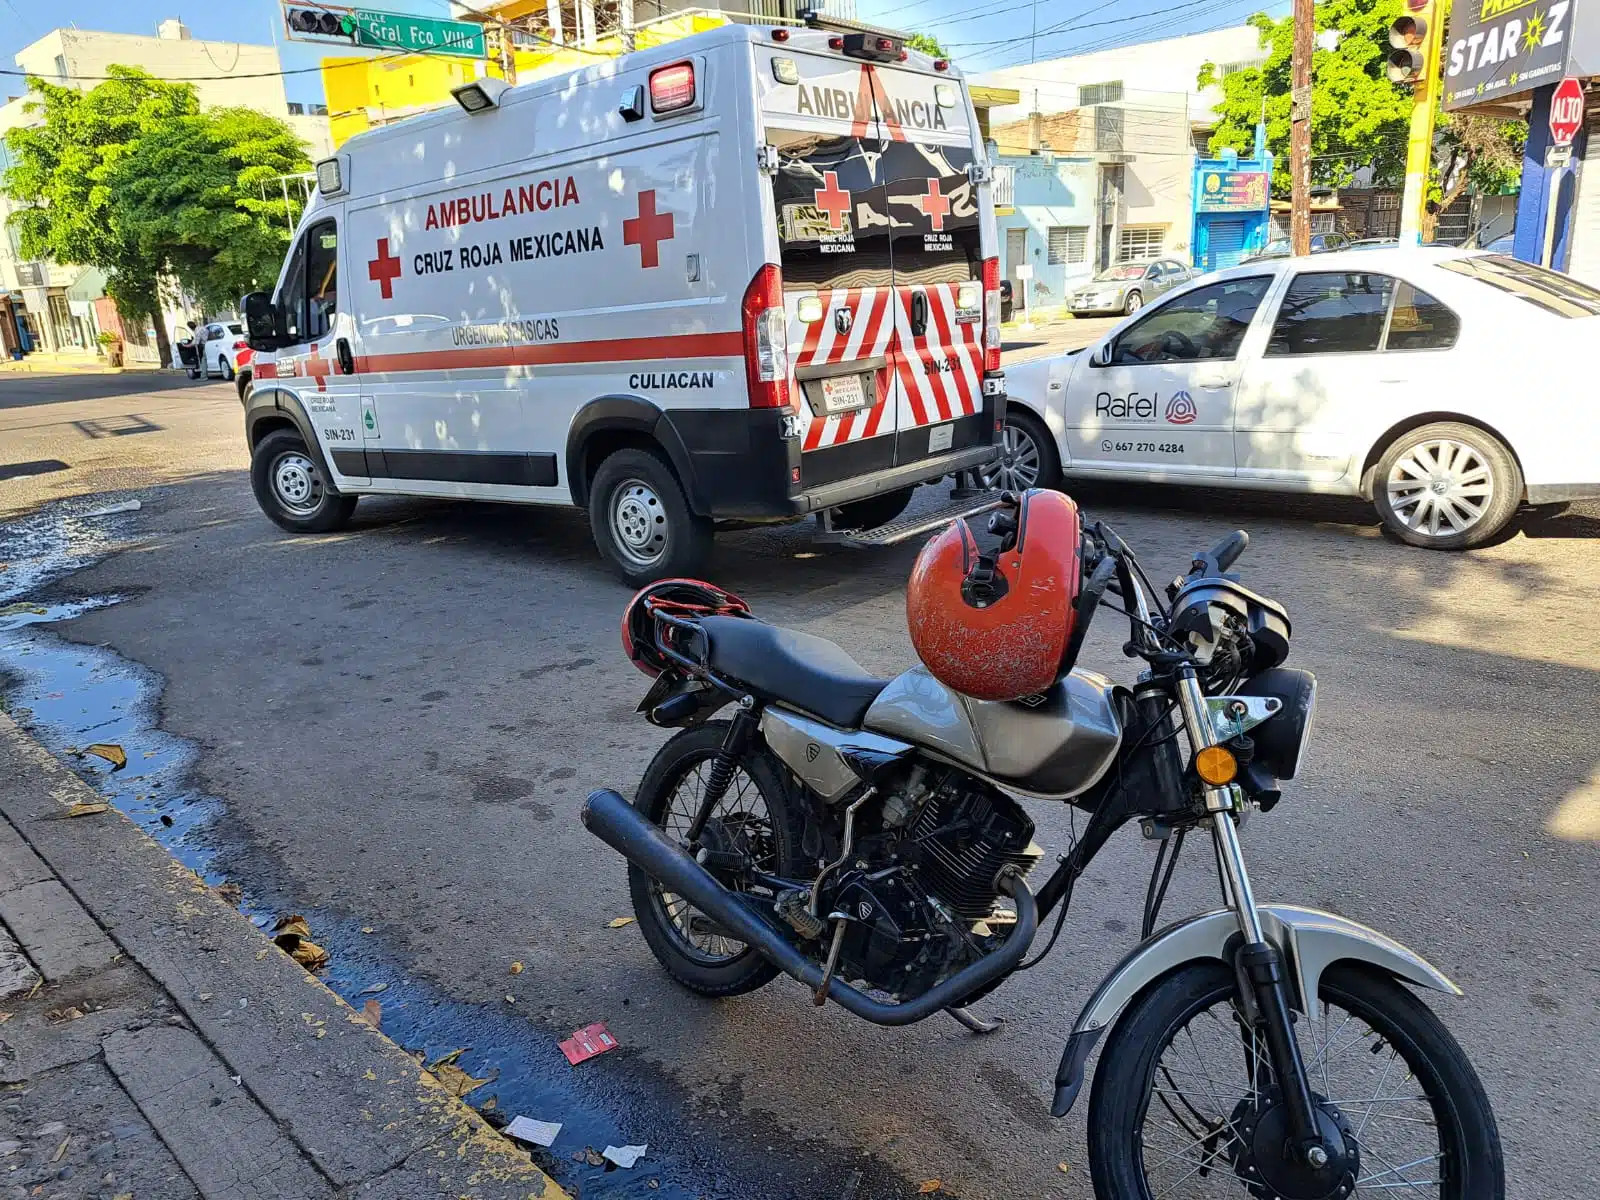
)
(391, 730)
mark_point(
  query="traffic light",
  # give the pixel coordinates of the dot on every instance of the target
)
(1408, 38)
(321, 23)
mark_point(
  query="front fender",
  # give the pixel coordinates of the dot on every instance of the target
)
(1309, 940)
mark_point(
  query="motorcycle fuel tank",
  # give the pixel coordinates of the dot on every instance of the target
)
(1057, 744)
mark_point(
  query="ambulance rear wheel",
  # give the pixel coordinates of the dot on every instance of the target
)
(642, 522)
(290, 487)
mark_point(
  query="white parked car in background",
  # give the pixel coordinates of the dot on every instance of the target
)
(224, 344)
(1443, 385)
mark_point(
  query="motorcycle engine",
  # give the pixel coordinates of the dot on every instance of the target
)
(921, 898)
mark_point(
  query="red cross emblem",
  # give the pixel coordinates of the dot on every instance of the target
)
(935, 205)
(833, 200)
(648, 230)
(320, 368)
(384, 269)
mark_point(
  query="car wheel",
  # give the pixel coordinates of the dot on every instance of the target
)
(227, 369)
(242, 383)
(1028, 459)
(1447, 486)
(642, 522)
(290, 487)
(1133, 303)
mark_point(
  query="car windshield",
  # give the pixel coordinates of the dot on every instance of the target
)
(1550, 290)
(1120, 272)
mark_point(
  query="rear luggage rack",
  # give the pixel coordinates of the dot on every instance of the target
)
(964, 502)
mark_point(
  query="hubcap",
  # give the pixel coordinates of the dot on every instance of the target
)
(294, 482)
(1018, 468)
(638, 522)
(1440, 488)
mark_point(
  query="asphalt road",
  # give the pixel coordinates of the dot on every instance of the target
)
(401, 722)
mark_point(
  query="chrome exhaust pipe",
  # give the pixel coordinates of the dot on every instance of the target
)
(626, 830)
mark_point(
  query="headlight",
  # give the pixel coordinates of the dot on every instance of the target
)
(1281, 740)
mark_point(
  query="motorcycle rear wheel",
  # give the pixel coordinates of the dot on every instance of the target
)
(757, 814)
(1169, 1118)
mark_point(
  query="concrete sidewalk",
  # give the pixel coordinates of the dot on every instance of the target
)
(154, 1044)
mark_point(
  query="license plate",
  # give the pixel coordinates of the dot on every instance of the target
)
(843, 393)
(940, 437)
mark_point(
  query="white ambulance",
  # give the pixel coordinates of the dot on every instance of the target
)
(745, 277)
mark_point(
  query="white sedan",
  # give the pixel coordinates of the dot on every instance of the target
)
(1442, 385)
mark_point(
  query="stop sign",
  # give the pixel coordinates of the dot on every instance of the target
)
(1566, 111)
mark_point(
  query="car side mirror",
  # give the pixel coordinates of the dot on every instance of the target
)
(1101, 356)
(262, 328)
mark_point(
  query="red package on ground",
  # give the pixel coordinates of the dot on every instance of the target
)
(587, 1042)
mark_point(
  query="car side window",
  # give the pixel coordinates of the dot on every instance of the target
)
(1331, 312)
(1420, 322)
(292, 295)
(322, 278)
(1208, 323)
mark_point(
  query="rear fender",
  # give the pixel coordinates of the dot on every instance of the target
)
(1309, 940)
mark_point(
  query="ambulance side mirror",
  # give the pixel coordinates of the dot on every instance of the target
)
(261, 325)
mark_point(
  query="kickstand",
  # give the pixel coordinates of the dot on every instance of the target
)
(972, 1022)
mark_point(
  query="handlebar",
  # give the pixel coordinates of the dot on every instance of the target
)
(1220, 557)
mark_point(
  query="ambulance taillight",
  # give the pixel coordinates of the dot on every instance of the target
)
(672, 88)
(991, 314)
(766, 340)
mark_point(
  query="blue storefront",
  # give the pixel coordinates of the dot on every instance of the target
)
(1231, 207)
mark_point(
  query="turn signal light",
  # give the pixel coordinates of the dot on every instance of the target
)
(1216, 765)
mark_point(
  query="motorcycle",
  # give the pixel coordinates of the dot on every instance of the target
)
(865, 837)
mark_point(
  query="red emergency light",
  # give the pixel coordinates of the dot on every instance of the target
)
(672, 88)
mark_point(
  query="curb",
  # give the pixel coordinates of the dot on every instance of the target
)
(360, 1108)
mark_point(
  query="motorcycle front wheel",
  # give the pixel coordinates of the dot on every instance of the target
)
(756, 816)
(1185, 1106)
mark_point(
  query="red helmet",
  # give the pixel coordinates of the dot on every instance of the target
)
(998, 626)
(676, 598)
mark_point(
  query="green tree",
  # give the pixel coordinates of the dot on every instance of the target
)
(928, 44)
(1358, 118)
(201, 195)
(131, 177)
(60, 170)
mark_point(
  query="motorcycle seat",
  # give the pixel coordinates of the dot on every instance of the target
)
(791, 667)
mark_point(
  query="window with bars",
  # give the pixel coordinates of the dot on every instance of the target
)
(1100, 93)
(1140, 243)
(1067, 244)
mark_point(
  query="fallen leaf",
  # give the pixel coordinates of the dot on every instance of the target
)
(310, 955)
(372, 1014)
(59, 1016)
(109, 751)
(368, 929)
(321, 1033)
(511, 999)
(593, 1157)
(490, 1104)
(516, 968)
(292, 924)
(4, 1017)
(456, 1081)
(231, 892)
(81, 809)
(373, 990)
(930, 1185)
(61, 1150)
(618, 922)
(11, 610)
(260, 954)
(1063, 1168)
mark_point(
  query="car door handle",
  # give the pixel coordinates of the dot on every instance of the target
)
(1213, 381)
(347, 360)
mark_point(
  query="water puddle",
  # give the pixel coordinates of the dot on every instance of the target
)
(70, 695)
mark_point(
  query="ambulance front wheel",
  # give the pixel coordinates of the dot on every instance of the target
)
(642, 522)
(290, 488)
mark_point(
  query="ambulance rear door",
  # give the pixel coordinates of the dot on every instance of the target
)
(880, 248)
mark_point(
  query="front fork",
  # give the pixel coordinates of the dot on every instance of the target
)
(1259, 963)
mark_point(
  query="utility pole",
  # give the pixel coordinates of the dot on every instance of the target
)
(1300, 129)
